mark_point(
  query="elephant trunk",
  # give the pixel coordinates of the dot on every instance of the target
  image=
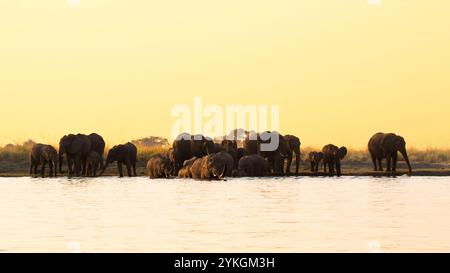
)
(297, 159)
(60, 159)
(55, 164)
(104, 167)
(405, 156)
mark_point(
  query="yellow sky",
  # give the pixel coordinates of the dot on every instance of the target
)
(339, 70)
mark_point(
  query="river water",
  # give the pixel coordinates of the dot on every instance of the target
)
(347, 214)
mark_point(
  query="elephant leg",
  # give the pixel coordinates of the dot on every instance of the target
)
(312, 166)
(325, 167)
(380, 166)
(129, 169)
(374, 161)
(36, 169)
(31, 169)
(84, 164)
(289, 162)
(338, 168)
(77, 167)
(331, 168)
(119, 167)
(43, 169)
(317, 167)
(394, 162)
(70, 166)
(50, 165)
(389, 161)
(134, 168)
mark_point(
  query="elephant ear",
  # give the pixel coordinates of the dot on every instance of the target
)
(342, 152)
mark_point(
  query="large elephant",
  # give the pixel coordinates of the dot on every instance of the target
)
(294, 147)
(76, 148)
(332, 156)
(315, 158)
(186, 146)
(251, 166)
(387, 146)
(159, 166)
(42, 154)
(123, 154)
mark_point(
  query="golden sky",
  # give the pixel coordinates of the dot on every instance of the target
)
(339, 70)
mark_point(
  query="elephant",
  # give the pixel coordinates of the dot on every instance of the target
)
(386, 146)
(275, 157)
(186, 171)
(332, 156)
(76, 148)
(186, 146)
(94, 163)
(42, 154)
(251, 166)
(199, 168)
(315, 158)
(221, 163)
(241, 152)
(230, 146)
(98, 146)
(159, 166)
(251, 143)
(212, 166)
(294, 147)
(123, 154)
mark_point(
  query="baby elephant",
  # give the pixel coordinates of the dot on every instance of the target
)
(251, 166)
(42, 154)
(94, 163)
(159, 166)
(315, 158)
(332, 156)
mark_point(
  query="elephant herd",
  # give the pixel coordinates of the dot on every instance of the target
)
(84, 156)
(199, 157)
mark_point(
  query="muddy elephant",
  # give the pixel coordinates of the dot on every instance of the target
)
(41, 155)
(315, 158)
(294, 148)
(94, 163)
(186, 170)
(212, 166)
(76, 148)
(230, 146)
(123, 154)
(386, 146)
(251, 166)
(332, 156)
(159, 166)
(186, 146)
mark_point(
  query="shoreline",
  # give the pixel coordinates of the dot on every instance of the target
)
(363, 173)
